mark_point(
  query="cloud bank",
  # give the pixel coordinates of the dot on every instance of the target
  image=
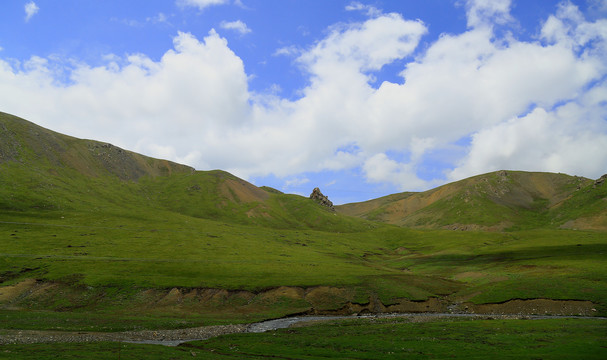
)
(490, 102)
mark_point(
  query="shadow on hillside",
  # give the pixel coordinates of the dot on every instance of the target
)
(558, 253)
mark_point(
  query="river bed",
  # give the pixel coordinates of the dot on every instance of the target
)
(180, 336)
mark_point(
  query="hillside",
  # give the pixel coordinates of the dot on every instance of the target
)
(48, 152)
(44, 170)
(495, 201)
(91, 234)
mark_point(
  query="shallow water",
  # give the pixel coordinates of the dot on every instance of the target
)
(283, 323)
(286, 322)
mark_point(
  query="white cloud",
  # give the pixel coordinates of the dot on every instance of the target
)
(201, 4)
(237, 26)
(287, 51)
(534, 105)
(486, 12)
(295, 183)
(371, 11)
(170, 108)
(567, 140)
(365, 46)
(381, 169)
(31, 9)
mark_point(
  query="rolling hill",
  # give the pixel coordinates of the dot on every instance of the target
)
(91, 234)
(495, 201)
(42, 170)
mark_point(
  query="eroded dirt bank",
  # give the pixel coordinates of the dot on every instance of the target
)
(319, 300)
(435, 305)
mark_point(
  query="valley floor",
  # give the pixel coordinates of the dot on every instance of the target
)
(175, 337)
(416, 336)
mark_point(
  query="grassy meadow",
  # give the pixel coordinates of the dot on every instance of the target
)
(366, 339)
(104, 266)
(96, 238)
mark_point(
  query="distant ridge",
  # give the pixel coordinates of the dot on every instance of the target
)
(495, 201)
(94, 229)
(42, 170)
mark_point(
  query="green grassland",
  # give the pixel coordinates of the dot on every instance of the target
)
(366, 339)
(103, 267)
(461, 339)
(503, 200)
(107, 234)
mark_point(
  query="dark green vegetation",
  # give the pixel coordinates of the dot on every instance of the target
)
(367, 339)
(462, 339)
(93, 237)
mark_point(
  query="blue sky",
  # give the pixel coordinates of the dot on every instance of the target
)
(359, 98)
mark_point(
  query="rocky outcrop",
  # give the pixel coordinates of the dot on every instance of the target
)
(323, 200)
(600, 181)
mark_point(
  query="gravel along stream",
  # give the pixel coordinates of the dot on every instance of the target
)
(179, 336)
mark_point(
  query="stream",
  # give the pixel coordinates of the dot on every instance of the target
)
(180, 336)
(283, 323)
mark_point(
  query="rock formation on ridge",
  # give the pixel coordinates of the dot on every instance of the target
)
(323, 200)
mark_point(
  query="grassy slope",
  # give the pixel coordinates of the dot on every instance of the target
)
(86, 213)
(46, 171)
(494, 201)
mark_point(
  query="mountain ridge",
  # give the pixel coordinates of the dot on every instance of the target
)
(44, 169)
(100, 230)
(494, 201)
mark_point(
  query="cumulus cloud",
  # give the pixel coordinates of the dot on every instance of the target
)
(237, 26)
(540, 141)
(567, 126)
(533, 105)
(487, 12)
(31, 9)
(380, 168)
(171, 108)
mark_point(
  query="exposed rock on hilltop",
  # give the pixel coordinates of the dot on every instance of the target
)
(600, 181)
(323, 200)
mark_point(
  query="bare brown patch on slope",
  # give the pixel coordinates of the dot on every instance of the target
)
(241, 191)
(596, 222)
(11, 292)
